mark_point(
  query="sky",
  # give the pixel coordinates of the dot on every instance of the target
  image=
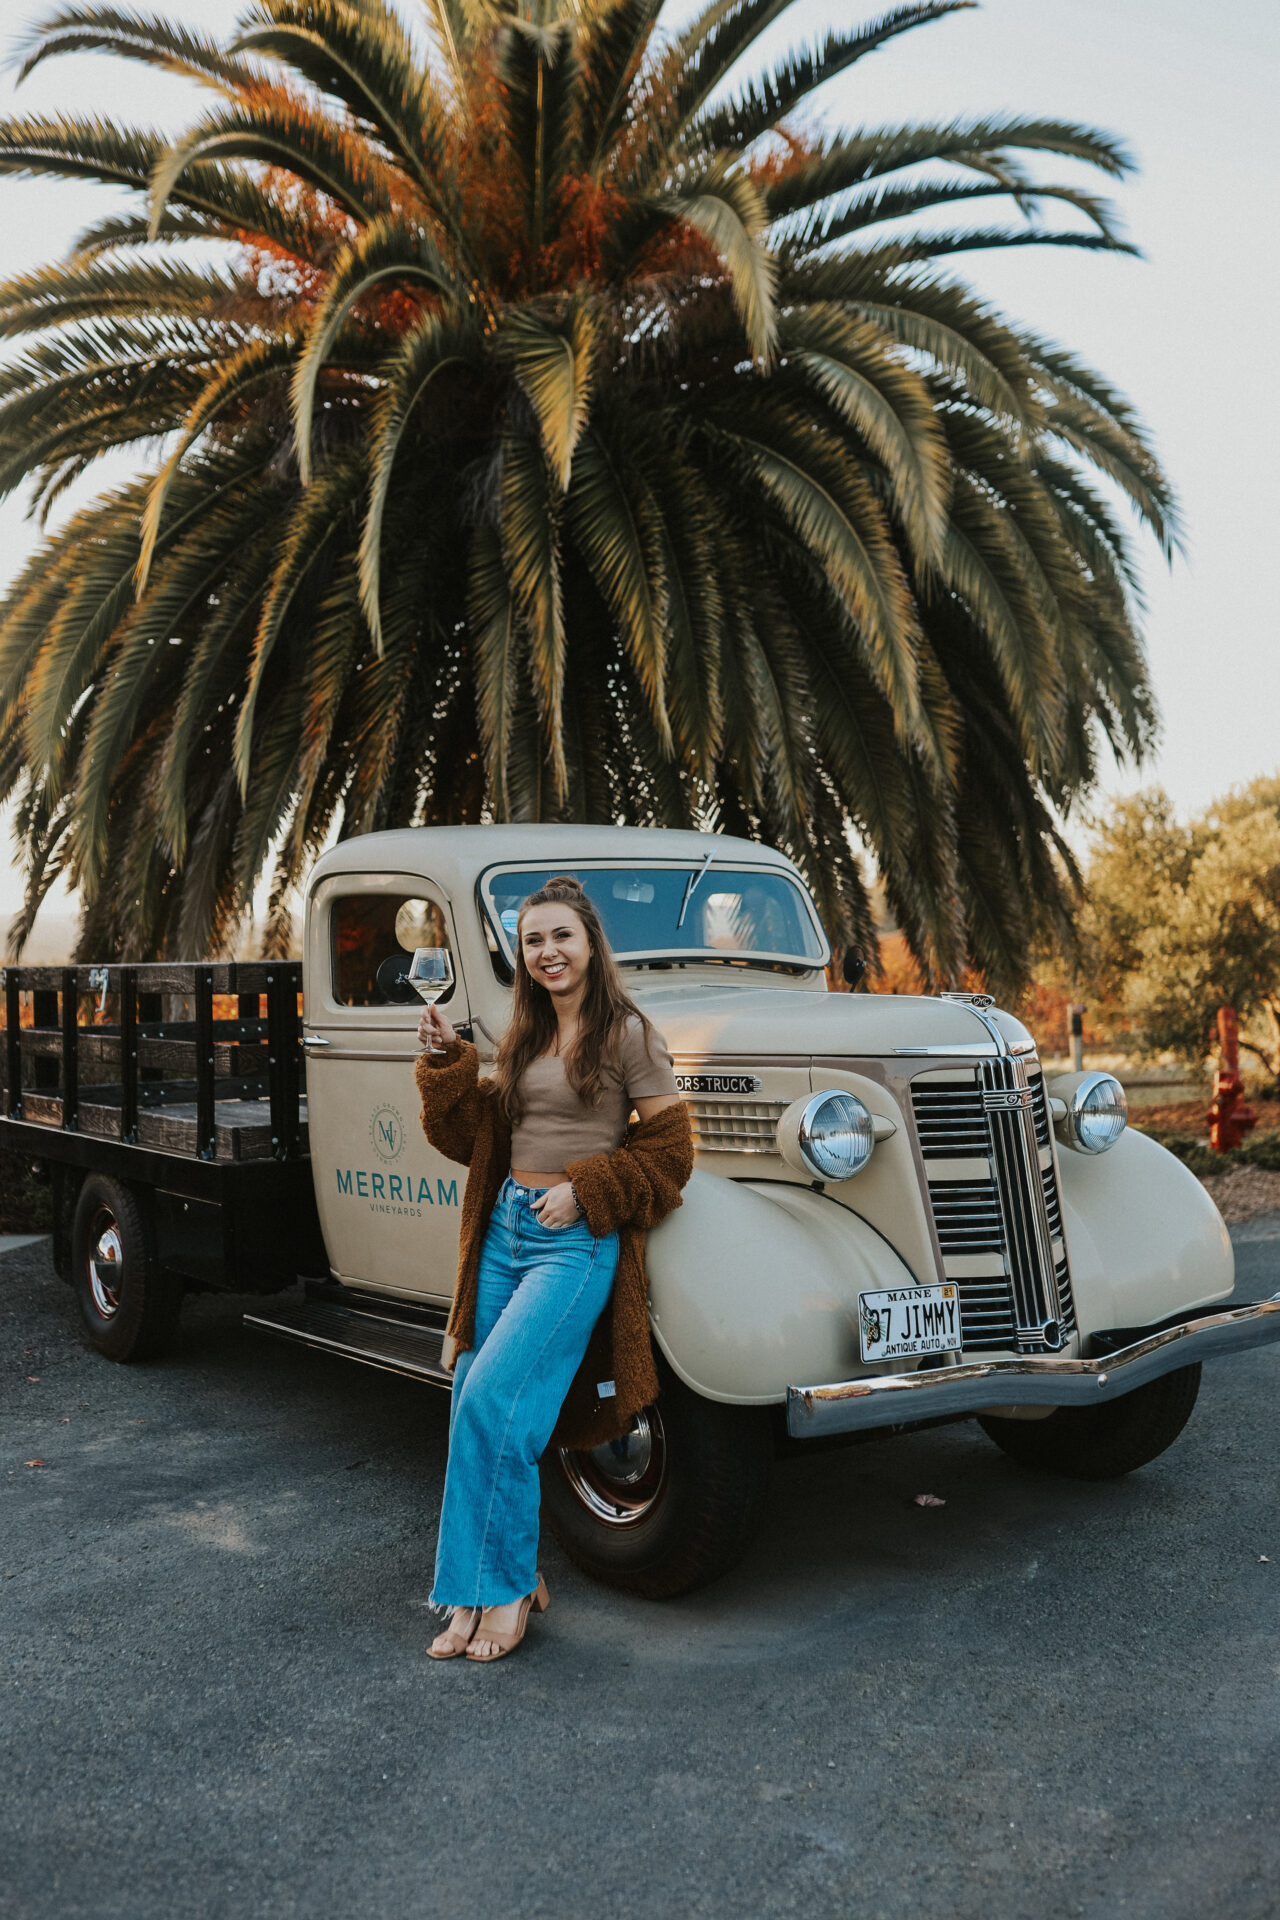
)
(1188, 332)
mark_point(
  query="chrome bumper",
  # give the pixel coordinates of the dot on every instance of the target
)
(889, 1400)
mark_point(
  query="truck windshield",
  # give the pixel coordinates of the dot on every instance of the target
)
(732, 913)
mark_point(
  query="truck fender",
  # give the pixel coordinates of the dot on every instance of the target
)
(1144, 1240)
(754, 1287)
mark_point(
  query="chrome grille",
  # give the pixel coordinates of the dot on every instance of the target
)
(1040, 1109)
(950, 1121)
(734, 1126)
(967, 1216)
(1009, 1220)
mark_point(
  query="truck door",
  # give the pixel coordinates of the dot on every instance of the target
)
(389, 1203)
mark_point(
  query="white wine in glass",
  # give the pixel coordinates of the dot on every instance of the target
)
(430, 975)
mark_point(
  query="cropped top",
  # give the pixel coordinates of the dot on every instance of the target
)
(558, 1126)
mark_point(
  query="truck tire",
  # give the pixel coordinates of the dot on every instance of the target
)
(1102, 1443)
(129, 1307)
(670, 1506)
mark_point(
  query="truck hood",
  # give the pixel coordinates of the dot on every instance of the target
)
(702, 1021)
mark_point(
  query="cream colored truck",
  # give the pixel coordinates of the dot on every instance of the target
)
(894, 1218)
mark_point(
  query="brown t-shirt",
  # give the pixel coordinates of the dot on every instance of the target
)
(559, 1127)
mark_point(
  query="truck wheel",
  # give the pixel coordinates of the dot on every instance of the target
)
(130, 1308)
(1102, 1443)
(671, 1505)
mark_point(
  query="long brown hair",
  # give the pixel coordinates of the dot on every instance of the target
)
(533, 1030)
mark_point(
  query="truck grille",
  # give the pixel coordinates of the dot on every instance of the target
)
(999, 1223)
(734, 1126)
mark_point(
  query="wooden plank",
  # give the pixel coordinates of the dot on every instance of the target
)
(37, 979)
(179, 1057)
(243, 1130)
(180, 976)
(167, 1093)
(99, 1046)
(243, 1032)
(44, 1109)
(102, 1122)
(251, 975)
(41, 1041)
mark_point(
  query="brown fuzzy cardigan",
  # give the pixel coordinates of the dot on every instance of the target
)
(625, 1192)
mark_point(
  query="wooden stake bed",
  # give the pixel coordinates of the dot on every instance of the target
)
(185, 1080)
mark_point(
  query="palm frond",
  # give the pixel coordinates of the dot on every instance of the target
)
(554, 365)
(761, 106)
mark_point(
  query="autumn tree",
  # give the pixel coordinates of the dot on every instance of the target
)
(1185, 918)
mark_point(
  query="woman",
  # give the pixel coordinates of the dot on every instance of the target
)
(558, 1199)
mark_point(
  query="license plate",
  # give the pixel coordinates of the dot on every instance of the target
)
(903, 1321)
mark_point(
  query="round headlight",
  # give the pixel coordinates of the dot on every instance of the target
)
(835, 1136)
(1097, 1113)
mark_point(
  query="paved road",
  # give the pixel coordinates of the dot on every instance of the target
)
(1040, 1700)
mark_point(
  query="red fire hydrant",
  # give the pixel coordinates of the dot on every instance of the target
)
(1230, 1116)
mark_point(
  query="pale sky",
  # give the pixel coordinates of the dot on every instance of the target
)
(1189, 332)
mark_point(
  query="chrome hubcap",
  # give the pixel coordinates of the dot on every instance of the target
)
(105, 1259)
(620, 1482)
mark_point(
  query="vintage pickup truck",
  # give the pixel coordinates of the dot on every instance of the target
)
(893, 1219)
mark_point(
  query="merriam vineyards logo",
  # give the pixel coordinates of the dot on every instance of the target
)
(406, 1193)
(386, 1133)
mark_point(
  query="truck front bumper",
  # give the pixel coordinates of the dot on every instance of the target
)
(891, 1400)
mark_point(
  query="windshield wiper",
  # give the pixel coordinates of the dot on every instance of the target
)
(692, 885)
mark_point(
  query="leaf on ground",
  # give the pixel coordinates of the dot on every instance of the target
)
(33, 1463)
(929, 1500)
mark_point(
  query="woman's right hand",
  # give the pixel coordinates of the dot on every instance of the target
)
(434, 1031)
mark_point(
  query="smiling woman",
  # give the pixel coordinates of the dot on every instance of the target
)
(541, 1247)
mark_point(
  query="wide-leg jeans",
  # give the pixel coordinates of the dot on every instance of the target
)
(540, 1292)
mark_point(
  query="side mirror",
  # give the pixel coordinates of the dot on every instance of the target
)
(853, 967)
(393, 982)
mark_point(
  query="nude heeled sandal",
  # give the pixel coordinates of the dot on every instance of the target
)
(536, 1602)
(458, 1640)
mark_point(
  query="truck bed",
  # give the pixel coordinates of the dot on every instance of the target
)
(186, 1080)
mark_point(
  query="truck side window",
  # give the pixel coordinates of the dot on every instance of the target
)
(369, 928)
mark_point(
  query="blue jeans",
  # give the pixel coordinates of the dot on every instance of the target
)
(541, 1291)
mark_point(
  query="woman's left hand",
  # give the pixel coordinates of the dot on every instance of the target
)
(556, 1207)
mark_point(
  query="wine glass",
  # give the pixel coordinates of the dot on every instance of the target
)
(430, 975)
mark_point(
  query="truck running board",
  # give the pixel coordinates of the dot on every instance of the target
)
(380, 1338)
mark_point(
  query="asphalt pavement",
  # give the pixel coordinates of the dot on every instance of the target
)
(1041, 1699)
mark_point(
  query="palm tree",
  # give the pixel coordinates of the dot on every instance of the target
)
(551, 426)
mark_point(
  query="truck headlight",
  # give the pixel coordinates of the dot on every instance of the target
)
(828, 1136)
(1097, 1112)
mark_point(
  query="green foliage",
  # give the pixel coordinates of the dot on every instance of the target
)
(554, 423)
(1258, 1150)
(1183, 920)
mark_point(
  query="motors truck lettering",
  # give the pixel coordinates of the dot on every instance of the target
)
(719, 1083)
